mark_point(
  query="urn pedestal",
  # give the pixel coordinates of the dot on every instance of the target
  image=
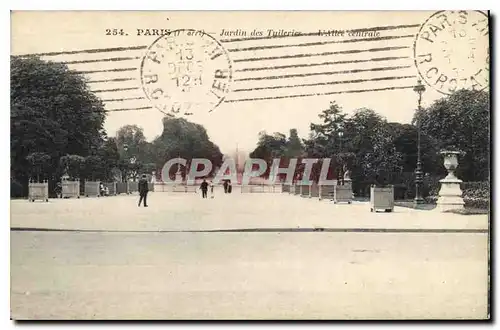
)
(450, 194)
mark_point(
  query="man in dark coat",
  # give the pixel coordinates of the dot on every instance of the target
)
(204, 188)
(143, 190)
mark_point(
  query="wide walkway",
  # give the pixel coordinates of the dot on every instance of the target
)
(247, 211)
(174, 260)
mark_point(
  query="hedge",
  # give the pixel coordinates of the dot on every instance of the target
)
(475, 195)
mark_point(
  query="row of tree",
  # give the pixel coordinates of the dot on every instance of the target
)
(377, 151)
(57, 129)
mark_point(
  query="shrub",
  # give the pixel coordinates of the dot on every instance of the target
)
(476, 189)
(16, 189)
(477, 203)
(475, 194)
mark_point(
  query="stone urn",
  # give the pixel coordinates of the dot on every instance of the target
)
(450, 194)
(450, 162)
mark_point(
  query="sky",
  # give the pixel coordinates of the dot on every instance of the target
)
(275, 83)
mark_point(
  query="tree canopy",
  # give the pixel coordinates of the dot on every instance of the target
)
(52, 112)
(461, 121)
(378, 151)
(57, 128)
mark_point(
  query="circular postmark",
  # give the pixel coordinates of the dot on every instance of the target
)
(186, 71)
(451, 51)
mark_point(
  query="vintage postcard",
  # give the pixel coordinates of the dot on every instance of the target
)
(278, 165)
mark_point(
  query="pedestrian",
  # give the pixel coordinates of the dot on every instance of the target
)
(58, 190)
(225, 186)
(229, 187)
(211, 189)
(143, 190)
(204, 188)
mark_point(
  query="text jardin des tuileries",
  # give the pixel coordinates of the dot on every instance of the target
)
(290, 33)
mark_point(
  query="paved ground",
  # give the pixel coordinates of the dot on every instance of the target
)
(146, 274)
(188, 212)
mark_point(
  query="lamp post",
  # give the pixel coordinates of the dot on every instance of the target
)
(419, 89)
(125, 149)
(130, 161)
(178, 174)
(341, 174)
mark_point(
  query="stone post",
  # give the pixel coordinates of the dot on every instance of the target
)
(450, 194)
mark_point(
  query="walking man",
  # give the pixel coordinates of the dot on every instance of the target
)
(204, 188)
(143, 190)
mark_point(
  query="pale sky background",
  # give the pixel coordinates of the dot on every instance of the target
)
(238, 123)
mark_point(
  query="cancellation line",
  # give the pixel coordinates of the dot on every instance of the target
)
(355, 81)
(86, 51)
(110, 59)
(376, 59)
(114, 89)
(105, 70)
(352, 51)
(129, 109)
(320, 43)
(324, 73)
(320, 94)
(124, 99)
(109, 80)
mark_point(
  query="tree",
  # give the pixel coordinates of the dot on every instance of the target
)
(294, 146)
(110, 156)
(270, 147)
(93, 168)
(324, 140)
(72, 165)
(132, 136)
(39, 163)
(461, 121)
(181, 138)
(52, 111)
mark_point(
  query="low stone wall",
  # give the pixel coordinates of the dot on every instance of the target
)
(168, 187)
(261, 189)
